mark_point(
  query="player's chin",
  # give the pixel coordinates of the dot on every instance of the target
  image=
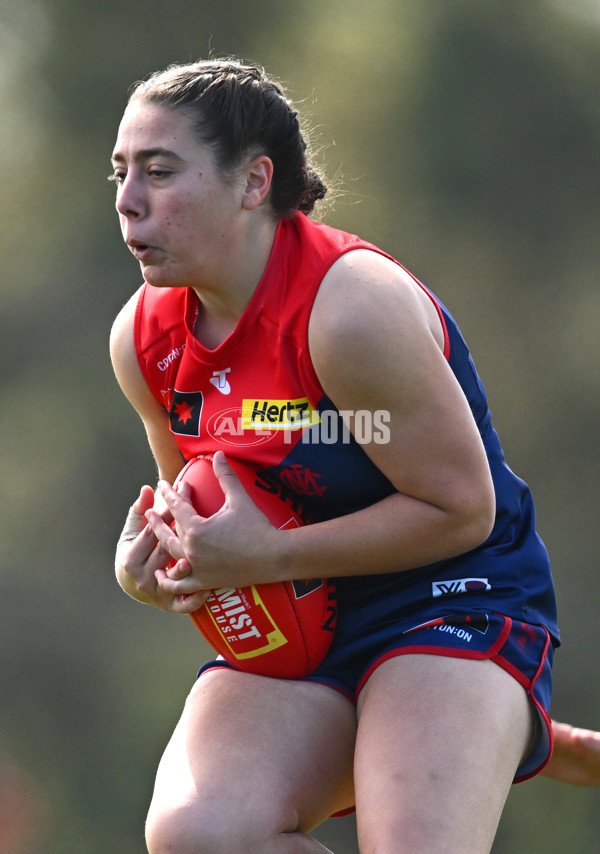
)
(163, 276)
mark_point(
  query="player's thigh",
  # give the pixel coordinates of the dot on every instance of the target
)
(439, 741)
(249, 749)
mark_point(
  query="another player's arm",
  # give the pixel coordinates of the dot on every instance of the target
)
(576, 756)
(137, 557)
(376, 344)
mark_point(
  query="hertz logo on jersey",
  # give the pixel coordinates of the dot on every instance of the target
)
(277, 414)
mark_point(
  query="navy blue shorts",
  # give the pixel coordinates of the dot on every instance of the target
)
(525, 651)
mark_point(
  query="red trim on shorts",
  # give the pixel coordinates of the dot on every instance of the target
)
(491, 655)
(542, 713)
(216, 665)
(342, 813)
(513, 671)
(450, 652)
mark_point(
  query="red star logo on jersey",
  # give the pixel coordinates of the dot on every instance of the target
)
(184, 411)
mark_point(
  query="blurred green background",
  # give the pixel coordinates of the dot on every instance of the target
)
(464, 139)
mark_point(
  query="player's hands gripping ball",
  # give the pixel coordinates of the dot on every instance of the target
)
(282, 629)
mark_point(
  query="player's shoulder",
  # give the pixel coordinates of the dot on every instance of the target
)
(123, 352)
(365, 293)
(121, 333)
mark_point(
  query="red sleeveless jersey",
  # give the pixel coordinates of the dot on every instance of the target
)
(257, 397)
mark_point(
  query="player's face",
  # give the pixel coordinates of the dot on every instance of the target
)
(177, 213)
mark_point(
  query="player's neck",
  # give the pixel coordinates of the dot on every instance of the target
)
(224, 300)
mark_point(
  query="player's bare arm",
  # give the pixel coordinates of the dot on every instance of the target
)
(139, 554)
(376, 343)
(129, 376)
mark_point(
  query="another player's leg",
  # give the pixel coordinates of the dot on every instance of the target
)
(252, 766)
(439, 741)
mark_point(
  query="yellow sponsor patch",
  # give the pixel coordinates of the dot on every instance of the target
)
(261, 414)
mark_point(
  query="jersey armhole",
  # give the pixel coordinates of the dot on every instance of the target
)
(140, 350)
(137, 325)
(440, 313)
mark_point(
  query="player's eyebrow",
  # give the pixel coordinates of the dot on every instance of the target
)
(147, 154)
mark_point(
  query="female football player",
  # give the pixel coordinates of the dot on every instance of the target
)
(434, 696)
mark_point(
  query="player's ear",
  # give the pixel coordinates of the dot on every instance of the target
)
(259, 174)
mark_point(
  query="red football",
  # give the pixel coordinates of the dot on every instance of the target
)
(282, 629)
